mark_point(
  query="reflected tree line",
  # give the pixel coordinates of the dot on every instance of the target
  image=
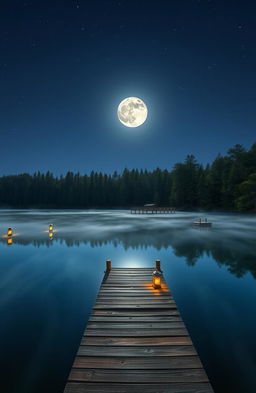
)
(229, 182)
(238, 255)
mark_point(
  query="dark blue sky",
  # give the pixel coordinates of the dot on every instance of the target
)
(66, 65)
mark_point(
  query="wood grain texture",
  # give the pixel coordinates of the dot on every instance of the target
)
(135, 332)
(137, 341)
(135, 336)
(74, 387)
(160, 318)
(137, 376)
(179, 346)
(131, 363)
(145, 306)
(134, 300)
(133, 325)
(137, 313)
(130, 293)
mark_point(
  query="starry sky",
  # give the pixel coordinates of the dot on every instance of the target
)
(65, 66)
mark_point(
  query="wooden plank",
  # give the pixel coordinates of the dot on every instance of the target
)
(138, 376)
(131, 274)
(135, 281)
(145, 283)
(133, 313)
(139, 291)
(138, 285)
(135, 319)
(181, 345)
(156, 306)
(133, 286)
(137, 341)
(135, 332)
(137, 325)
(135, 296)
(147, 287)
(134, 300)
(130, 363)
(124, 269)
(129, 294)
(76, 387)
(131, 277)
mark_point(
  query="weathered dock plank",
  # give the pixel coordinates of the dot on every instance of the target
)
(137, 376)
(139, 388)
(135, 341)
(155, 363)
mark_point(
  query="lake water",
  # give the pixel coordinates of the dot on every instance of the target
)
(48, 287)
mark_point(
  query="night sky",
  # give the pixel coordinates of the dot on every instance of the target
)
(66, 65)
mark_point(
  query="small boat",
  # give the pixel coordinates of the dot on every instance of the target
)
(202, 223)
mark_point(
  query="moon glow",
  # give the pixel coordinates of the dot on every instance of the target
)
(132, 112)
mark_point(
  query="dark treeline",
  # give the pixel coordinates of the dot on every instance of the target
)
(229, 183)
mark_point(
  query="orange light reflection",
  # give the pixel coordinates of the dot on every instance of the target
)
(6, 236)
(156, 292)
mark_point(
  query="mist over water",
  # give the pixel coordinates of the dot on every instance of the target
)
(48, 286)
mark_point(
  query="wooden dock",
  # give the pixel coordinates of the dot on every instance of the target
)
(135, 341)
(152, 210)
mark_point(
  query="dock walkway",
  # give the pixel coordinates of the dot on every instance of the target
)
(136, 342)
(152, 210)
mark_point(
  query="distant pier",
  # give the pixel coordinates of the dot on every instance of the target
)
(135, 341)
(152, 210)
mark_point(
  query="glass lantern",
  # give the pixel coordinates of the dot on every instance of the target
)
(156, 279)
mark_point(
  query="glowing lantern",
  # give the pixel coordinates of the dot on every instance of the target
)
(50, 235)
(9, 232)
(9, 241)
(156, 279)
(50, 228)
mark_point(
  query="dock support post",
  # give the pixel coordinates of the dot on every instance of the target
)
(108, 265)
(158, 265)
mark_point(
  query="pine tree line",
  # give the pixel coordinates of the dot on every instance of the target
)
(228, 183)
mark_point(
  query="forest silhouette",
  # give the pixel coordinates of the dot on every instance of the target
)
(228, 183)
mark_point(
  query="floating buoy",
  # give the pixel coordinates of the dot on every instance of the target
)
(9, 232)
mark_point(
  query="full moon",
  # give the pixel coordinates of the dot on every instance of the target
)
(132, 112)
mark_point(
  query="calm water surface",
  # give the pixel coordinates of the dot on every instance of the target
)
(47, 288)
